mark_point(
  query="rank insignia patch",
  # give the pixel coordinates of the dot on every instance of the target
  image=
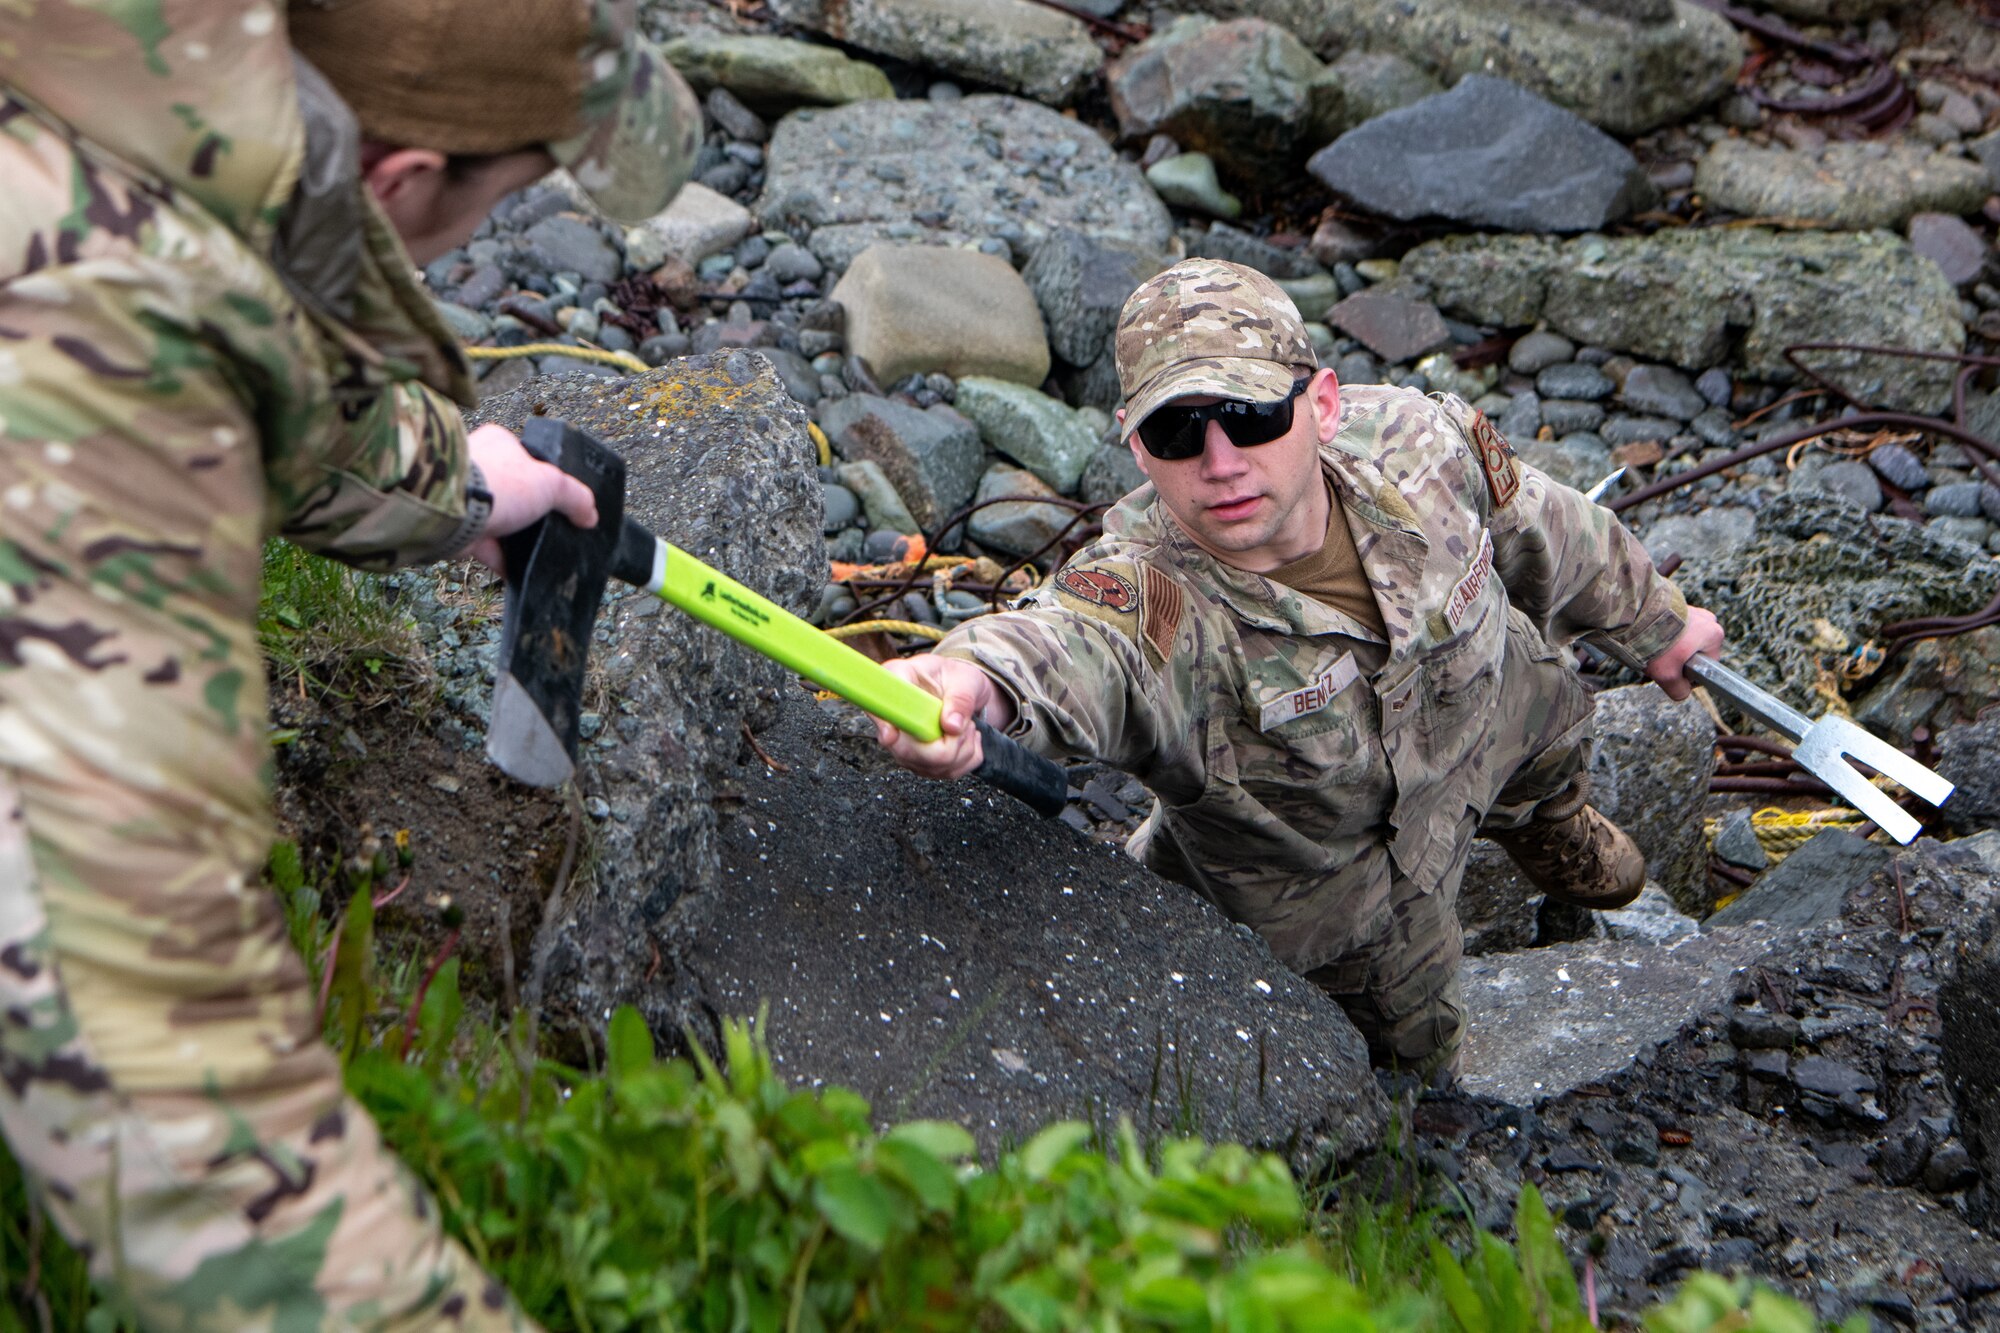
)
(1496, 460)
(1100, 587)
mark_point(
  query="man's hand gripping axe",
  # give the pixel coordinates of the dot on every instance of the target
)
(556, 574)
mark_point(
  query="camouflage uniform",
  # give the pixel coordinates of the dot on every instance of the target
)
(169, 397)
(1312, 780)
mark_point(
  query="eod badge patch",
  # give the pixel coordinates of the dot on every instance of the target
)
(1496, 460)
(1100, 587)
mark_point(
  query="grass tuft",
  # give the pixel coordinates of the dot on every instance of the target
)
(330, 629)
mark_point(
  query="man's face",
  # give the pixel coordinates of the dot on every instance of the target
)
(1258, 507)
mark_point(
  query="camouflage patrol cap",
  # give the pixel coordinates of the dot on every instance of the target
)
(1206, 326)
(493, 76)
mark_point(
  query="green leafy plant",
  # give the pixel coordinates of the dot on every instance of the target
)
(704, 1194)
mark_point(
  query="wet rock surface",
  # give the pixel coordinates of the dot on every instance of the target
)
(1850, 185)
(945, 172)
(1627, 72)
(1782, 1110)
(717, 461)
(1060, 981)
(1688, 297)
(1488, 154)
(1026, 48)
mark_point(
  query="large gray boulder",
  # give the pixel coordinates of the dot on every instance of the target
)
(1697, 297)
(719, 463)
(944, 173)
(1852, 186)
(1627, 67)
(903, 954)
(907, 306)
(1012, 44)
(1237, 91)
(1490, 154)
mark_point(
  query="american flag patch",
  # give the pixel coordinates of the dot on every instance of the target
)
(1164, 605)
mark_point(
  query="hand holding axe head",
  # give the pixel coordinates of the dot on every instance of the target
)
(556, 574)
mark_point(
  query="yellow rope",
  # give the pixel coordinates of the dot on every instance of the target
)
(1782, 832)
(622, 360)
(910, 627)
(819, 439)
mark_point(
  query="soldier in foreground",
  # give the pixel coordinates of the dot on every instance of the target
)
(210, 332)
(1324, 636)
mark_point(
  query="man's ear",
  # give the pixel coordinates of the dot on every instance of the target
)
(409, 184)
(1325, 392)
(1139, 454)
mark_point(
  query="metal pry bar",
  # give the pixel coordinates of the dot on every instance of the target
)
(1824, 749)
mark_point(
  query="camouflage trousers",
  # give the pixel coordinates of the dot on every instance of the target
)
(162, 1083)
(1399, 982)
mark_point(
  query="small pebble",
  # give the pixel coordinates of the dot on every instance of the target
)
(1567, 416)
(1899, 467)
(1714, 385)
(883, 546)
(1574, 380)
(1536, 352)
(792, 262)
(843, 508)
(1716, 428)
(735, 119)
(1855, 483)
(1959, 499)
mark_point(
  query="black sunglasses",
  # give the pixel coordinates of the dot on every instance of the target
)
(1174, 433)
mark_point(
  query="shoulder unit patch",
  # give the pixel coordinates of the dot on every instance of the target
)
(1496, 460)
(1099, 587)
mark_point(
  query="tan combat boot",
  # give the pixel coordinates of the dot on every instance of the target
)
(1575, 855)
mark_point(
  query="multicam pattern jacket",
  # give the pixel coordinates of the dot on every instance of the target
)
(153, 168)
(1297, 757)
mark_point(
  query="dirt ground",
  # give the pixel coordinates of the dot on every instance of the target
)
(482, 843)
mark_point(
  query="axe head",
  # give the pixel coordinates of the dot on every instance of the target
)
(556, 573)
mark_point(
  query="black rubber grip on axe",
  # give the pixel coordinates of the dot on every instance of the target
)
(1024, 775)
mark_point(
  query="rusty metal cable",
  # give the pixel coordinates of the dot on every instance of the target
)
(931, 540)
